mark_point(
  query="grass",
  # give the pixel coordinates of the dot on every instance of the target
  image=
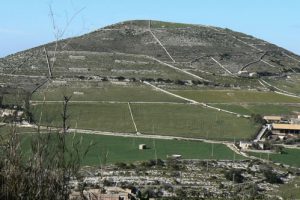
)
(116, 65)
(98, 116)
(229, 80)
(190, 121)
(235, 96)
(105, 92)
(289, 157)
(125, 149)
(164, 119)
(262, 109)
(288, 84)
(6, 129)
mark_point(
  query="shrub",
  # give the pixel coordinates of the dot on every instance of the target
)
(272, 177)
(234, 175)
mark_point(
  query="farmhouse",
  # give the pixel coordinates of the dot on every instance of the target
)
(283, 129)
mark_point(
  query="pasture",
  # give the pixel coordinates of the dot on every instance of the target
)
(262, 109)
(96, 116)
(112, 149)
(103, 91)
(289, 157)
(191, 121)
(235, 96)
(162, 119)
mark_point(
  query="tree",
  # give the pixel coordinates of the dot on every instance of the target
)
(45, 172)
(234, 175)
(272, 177)
(258, 119)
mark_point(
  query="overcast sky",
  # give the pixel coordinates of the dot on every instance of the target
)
(27, 23)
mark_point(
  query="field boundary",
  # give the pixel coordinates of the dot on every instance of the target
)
(132, 118)
(195, 102)
(229, 72)
(282, 92)
(160, 43)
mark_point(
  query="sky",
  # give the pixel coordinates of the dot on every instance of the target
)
(28, 23)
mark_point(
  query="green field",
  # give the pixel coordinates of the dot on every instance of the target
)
(97, 116)
(262, 109)
(235, 96)
(104, 92)
(164, 119)
(125, 149)
(191, 121)
(289, 157)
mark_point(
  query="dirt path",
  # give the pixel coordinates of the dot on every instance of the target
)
(112, 102)
(267, 63)
(132, 118)
(290, 57)
(161, 45)
(282, 92)
(229, 72)
(178, 69)
(195, 102)
(23, 75)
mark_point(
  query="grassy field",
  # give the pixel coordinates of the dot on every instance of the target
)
(125, 149)
(163, 119)
(263, 109)
(289, 157)
(98, 116)
(104, 92)
(235, 96)
(190, 121)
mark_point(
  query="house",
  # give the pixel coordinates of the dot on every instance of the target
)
(283, 129)
(296, 119)
(245, 145)
(272, 119)
(142, 146)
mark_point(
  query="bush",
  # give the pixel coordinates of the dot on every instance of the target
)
(272, 177)
(234, 175)
(258, 119)
(44, 173)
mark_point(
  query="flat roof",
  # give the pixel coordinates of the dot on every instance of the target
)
(272, 117)
(286, 126)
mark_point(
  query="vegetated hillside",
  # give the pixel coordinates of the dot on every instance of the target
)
(133, 49)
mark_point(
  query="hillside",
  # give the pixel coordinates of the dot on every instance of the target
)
(154, 77)
(143, 49)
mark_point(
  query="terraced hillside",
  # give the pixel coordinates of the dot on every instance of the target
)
(130, 49)
(142, 76)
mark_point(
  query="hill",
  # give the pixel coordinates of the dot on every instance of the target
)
(144, 75)
(143, 48)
